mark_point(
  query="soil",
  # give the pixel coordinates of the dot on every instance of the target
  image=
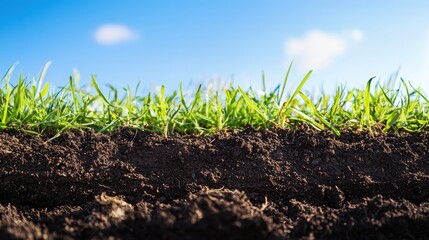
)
(281, 184)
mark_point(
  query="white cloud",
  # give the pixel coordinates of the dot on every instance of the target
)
(318, 49)
(356, 35)
(112, 34)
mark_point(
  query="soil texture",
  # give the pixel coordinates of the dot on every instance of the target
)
(281, 184)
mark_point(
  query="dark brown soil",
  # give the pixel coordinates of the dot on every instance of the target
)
(278, 184)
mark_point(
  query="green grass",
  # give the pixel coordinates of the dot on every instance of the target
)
(34, 106)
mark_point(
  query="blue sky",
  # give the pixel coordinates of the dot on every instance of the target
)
(165, 42)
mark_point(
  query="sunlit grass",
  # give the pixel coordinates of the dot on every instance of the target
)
(35, 107)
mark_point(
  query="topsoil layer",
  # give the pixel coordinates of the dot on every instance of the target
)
(278, 184)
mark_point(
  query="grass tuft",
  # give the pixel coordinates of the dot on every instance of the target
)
(36, 107)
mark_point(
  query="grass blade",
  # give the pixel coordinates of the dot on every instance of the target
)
(252, 104)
